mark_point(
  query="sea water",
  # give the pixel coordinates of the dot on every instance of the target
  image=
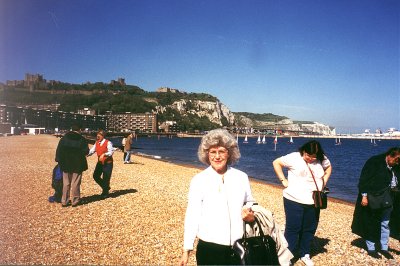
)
(347, 159)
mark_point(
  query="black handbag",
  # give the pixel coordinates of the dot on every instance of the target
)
(320, 197)
(256, 250)
(380, 200)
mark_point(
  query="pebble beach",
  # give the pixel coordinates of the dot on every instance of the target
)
(141, 223)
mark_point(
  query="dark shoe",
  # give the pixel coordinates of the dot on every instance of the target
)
(374, 254)
(66, 205)
(386, 254)
(105, 194)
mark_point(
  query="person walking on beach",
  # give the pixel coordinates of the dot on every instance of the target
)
(123, 142)
(380, 172)
(220, 200)
(301, 216)
(127, 148)
(104, 150)
(71, 156)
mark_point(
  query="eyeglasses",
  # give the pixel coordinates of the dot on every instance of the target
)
(220, 152)
(309, 157)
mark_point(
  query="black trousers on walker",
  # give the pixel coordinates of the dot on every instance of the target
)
(105, 170)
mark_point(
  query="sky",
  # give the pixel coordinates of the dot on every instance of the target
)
(331, 61)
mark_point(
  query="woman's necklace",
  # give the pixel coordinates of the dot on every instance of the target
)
(221, 184)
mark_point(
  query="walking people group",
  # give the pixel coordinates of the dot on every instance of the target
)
(71, 154)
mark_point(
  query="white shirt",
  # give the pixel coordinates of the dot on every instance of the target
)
(110, 149)
(214, 209)
(301, 184)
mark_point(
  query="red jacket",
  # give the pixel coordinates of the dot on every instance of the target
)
(101, 149)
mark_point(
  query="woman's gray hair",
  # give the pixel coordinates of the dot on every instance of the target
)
(218, 137)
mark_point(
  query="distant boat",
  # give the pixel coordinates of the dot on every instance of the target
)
(259, 140)
(263, 140)
(275, 141)
(337, 141)
(245, 140)
(373, 142)
(291, 140)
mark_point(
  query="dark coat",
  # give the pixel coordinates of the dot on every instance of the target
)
(71, 153)
(375, 176)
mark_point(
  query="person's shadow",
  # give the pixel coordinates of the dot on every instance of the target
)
(114, 194)
(319, 245)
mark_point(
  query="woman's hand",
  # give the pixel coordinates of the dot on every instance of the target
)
(247, 214)
(184, 258)
(278, 168)
(364, 201)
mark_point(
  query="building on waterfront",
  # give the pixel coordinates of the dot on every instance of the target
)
(124, 122)
(169, 127)
(50, 120)
(53, 120)
(86, 111)
(5, 128)
(3, 113)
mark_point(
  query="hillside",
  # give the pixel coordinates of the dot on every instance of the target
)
(191, 111)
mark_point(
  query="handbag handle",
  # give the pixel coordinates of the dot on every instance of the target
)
(323, 181)
(259, 227)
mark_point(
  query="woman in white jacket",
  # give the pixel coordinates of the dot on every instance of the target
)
(219, 201)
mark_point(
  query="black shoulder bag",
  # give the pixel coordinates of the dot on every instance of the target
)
(380, 200)
(320, 197)
(256, 250)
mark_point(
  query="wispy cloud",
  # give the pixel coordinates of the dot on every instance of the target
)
(54, 18)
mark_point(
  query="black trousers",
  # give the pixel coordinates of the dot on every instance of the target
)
(214, 254)
(105, 170)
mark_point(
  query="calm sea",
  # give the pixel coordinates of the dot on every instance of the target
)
(347, 159)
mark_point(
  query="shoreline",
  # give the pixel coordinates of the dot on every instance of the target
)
(341, 136)
(141, 223)
(253, 179)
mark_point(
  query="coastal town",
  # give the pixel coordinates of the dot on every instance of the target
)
(29, 118)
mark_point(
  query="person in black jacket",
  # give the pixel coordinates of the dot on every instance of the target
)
(380, 172)
(71, 156)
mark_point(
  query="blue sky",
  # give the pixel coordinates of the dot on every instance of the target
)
(335, 62)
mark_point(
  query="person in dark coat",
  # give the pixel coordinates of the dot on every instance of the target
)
(71, 156)
(379, 172)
